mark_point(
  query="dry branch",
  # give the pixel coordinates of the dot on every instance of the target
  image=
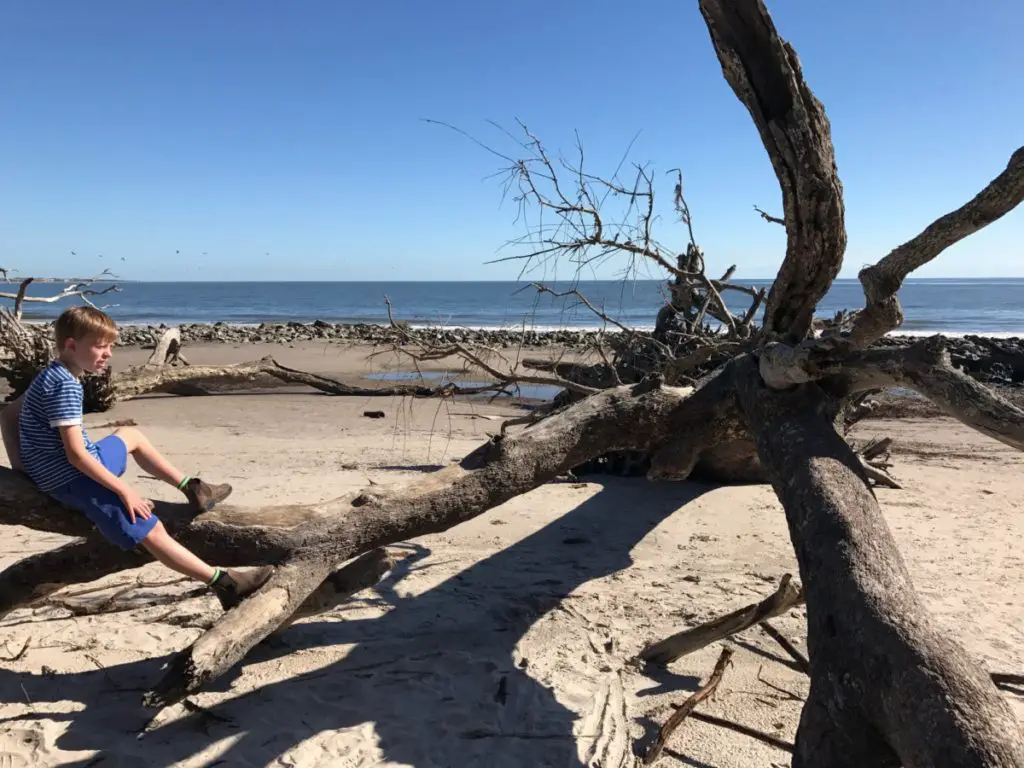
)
(764, 73)
(173, 380)
(744, 730)
(704, 692)
(72, 290)
(883, 280)
(478, 356)
(678, 645)
(926, 368)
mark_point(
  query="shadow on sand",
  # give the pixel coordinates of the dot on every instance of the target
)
(433, 682)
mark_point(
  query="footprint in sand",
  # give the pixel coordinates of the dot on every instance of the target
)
(19, 747)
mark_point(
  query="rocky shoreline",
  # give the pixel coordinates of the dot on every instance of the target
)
(998, 360)
(354, 333)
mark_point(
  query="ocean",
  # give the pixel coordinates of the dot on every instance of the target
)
(993, 307)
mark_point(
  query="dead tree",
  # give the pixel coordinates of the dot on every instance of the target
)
(889, 685)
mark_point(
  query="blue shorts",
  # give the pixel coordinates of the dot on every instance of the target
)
(101, 505)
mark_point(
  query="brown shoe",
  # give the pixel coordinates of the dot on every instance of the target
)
(204, 496)
(234, 586)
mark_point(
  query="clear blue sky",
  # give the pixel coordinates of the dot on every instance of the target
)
(286, 139)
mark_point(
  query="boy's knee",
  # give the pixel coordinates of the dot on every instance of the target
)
(157, 535)
(132, 437)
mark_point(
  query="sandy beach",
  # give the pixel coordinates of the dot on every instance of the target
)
(506, 641)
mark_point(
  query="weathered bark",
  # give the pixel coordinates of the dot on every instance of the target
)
(889, 686)
(765, 75)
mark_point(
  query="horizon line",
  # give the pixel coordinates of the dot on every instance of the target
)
(52, 280)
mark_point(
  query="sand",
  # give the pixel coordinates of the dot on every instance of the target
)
(505, 641)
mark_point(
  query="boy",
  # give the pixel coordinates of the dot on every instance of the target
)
(44, 437)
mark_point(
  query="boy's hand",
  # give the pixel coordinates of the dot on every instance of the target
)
(136, 506)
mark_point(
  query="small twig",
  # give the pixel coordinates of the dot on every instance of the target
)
(788, 647)
(769, 218)
(687, 707)
(18, 654)
(880, 476)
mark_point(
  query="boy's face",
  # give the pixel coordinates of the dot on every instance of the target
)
(91, 352)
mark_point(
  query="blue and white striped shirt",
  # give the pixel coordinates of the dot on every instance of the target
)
(54, 399)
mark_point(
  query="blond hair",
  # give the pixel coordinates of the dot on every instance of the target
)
(78, 322)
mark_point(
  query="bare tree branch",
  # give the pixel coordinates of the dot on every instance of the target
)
(883, 280)
(765, 75)
(72, 290)
(769, 218)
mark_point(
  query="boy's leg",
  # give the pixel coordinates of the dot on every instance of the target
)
(148, 457)
(230, 587)
(202, 495)
(169, 552)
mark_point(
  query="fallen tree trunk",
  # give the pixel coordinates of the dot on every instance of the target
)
(500, 469)
(888, 686)
(320, 536)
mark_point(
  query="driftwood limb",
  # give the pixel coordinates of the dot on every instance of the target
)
(675, 647)
(167, 349)
(79, 289)
(764, 73)
(239, 630)
(926, 368)
(880, 477)
(883, 280)
(704, 692)
(864, 616)
(148, 379)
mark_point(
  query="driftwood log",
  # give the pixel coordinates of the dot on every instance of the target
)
(30, 348)
(889, 686)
